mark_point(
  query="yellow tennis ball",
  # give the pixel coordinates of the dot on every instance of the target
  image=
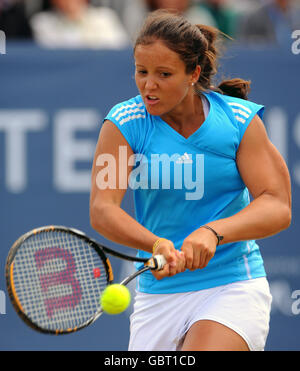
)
(115, 299)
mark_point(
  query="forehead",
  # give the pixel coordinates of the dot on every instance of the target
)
(157, 54)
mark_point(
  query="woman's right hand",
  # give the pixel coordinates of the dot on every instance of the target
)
(175, 260)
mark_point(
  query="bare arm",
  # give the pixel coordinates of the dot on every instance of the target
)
(106, 215)
(110, 174)
(265, 174)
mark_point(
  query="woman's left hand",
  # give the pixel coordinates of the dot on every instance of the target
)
(199, 248)
(175, 260)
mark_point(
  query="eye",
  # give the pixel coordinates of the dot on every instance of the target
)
(165, 74)
(142, 72)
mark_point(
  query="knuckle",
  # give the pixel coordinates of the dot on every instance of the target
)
(157, 276)
(196, 265)
(201, 246)
(187, 245)
(187, 240)
(189, 262)
(189, 258)
(172, 272)
(206, 251)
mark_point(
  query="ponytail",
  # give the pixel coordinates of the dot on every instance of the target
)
(238, 88)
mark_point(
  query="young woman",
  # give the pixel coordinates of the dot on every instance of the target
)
(192, 153)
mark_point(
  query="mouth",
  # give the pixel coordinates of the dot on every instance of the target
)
(151, 99)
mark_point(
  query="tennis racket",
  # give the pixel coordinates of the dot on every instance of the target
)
(55, 277)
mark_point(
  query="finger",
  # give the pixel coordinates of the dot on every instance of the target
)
(181, 258)
(206, 255)
(166, 248)
(180, 264)
(202, 260)
(174, 266)
(171, 259)
(162, 273)
(197, 257)
(187, 249)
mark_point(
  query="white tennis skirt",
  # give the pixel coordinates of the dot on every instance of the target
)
(160, 321)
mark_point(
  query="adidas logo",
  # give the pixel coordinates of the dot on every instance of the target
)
(184, 159)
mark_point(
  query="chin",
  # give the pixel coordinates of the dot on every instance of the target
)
(153, 111)
(156, 110)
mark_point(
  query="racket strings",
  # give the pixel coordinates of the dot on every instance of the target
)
(58, 279)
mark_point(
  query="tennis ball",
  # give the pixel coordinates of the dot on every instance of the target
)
(115, 299)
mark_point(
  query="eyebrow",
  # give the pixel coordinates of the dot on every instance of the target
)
(158, 67)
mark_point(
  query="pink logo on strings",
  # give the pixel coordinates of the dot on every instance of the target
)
(65, 277)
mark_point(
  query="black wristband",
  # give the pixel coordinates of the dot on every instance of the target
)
(220, 238)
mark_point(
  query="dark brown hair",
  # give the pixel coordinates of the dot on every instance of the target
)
(195, 44)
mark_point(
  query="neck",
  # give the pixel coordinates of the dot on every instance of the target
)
(187, 117)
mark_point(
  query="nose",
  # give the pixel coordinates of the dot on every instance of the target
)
(150, 83)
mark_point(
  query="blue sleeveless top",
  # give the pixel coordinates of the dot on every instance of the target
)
(180, 184)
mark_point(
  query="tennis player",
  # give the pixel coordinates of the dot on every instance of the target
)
(193, 154)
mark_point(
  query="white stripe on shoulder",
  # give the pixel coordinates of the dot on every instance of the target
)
(242, 113)
(130, 118)
(240, 106)
(126, 112)
(126, 107)
(240, 119)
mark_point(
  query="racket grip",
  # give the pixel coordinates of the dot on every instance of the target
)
(160, 262)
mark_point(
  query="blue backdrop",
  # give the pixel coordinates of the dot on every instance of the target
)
(51, 107)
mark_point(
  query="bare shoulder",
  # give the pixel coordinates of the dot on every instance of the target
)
(260, 164)
(110, 131)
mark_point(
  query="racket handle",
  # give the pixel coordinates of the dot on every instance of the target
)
(156, 263)
(160, 262)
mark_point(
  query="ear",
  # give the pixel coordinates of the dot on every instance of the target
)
(196, 74)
